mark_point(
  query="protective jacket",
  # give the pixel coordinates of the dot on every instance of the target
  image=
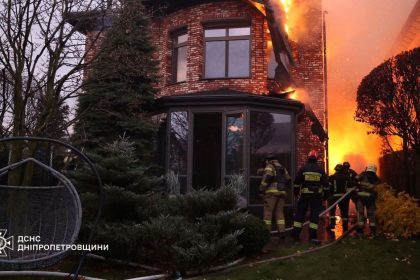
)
(311, 178)
(367, 181)
(275, 178)
(340, 182)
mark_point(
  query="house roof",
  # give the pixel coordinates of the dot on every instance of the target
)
(228, 97)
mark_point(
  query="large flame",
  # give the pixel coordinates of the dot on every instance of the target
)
(287, 4)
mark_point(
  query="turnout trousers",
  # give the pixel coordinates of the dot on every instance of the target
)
(273, 207)
(344, 210)
(314, 202)
(370, 203)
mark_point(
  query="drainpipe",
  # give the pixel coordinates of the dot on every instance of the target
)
(324, 39)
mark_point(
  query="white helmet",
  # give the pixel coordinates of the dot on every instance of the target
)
(371, 167)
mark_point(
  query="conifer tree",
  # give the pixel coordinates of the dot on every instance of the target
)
(115, 132)
(120, 85)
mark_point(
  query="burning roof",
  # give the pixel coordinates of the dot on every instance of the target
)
(96, 20)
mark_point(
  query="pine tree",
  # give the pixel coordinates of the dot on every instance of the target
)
(116, 134)
(120, 85)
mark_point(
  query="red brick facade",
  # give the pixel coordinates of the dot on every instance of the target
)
(192, 18)
(308, 53)
(309, 75)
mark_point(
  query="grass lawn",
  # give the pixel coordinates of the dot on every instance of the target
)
(92, 268)
(348, 259)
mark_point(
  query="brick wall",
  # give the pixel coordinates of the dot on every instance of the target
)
(308, 74)
(308, 53)
(193, 18)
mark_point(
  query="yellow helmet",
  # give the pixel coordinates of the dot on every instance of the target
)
(371, 167)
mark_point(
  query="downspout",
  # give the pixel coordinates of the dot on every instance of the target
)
(324, 38)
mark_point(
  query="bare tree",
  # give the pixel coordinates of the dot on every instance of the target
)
(42, 57)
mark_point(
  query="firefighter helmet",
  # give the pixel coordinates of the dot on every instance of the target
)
(270, 156)
(338, 167)
(371, 167)
(313, 154)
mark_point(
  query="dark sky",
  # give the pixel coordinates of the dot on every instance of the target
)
(360, 34)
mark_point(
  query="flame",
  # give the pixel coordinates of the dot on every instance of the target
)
(348, 139)
(287, 4)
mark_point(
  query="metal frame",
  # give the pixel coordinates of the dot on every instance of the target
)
(94, 171)
(175, 48)
(77, 206)
(226, 24)
(225, 111)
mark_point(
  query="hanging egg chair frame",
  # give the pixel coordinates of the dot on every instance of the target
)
(68, 185)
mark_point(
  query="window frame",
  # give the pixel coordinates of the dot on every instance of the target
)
(175, 46)
(227, 24)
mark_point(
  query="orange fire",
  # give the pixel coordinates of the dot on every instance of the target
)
(348, 139)
(287, 4)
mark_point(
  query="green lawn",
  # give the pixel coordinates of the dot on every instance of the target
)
(92, 268)
(348, 259)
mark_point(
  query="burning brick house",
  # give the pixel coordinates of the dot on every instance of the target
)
(227, 72)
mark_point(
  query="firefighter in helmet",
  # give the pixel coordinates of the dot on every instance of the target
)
(273, 187)
(339, 185)
(308, 187)
(366, 198)
(350, 172)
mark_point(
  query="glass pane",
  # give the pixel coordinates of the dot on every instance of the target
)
(254, 191)
(284, 58)
(272, 63)
(241, 31)
(239, 58)
(234, 143)
(215, 59)
(215, 33)
(181, 64)
(270, 133)
(182, 38)
(178, 142)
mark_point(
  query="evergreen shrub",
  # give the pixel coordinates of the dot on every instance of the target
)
(255, 234)
(199, 203)
(397, 214)
(176, 243)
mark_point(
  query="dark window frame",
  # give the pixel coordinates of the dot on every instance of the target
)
(175, 34)
(227, 24)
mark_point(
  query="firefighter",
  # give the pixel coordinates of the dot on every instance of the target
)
(351, 173)
(308, 187)
(339, 185)
(273, 187)
(366, 197)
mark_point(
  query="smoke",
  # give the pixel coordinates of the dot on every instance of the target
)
(360, 35)
(295, 17)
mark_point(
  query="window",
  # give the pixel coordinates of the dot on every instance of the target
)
(269, 133)
(179, 62)
(178, 146)
(272, 63)
(227, 52)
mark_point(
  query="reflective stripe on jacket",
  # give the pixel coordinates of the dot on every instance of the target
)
(272, 181)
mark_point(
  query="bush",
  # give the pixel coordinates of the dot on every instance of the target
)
(175, 243)
(199, 203)
(255, 234)
(397, 214)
